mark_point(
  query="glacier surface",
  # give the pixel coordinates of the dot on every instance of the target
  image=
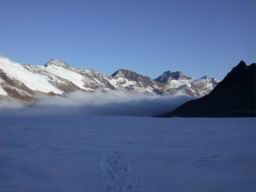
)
(126, 154)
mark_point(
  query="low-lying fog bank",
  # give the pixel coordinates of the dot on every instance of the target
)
(97, 103)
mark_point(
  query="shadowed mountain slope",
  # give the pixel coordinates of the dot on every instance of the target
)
(235, 96)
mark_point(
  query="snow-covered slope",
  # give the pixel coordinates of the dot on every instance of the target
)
(33, 81)
(179, 83)
(23, 81)
(60, 69)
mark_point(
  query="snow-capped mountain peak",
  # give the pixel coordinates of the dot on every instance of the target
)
(23, 82)
(131, 75)
(57, 62)
(123, 73)
(16, 79)
(169, 75)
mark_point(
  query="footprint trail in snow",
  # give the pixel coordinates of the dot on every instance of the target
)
(117, 174)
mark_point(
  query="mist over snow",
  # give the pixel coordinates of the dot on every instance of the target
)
(95, 103)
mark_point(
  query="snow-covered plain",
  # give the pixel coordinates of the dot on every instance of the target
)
(126, 154)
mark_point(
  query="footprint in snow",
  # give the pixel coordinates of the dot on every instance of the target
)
(117, 174)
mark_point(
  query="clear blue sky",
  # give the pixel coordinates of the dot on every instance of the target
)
(149, 36)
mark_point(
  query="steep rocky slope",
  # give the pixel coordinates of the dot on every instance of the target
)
(234, 96)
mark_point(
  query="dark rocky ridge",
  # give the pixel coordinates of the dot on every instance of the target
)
(235, 96)
(132, 76)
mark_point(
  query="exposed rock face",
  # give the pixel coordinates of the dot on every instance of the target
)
(24, 81)
(127, 79)
(234, 96)
(168, 75)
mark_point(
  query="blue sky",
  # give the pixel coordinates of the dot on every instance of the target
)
(149, 36)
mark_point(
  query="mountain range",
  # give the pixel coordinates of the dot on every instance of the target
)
(234, 96)
(56, 77)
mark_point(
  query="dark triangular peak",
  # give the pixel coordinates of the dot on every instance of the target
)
(235, 95)
(169, 75)
(240, 65)
(121, 72)
(57, 62)
(238, 70)
(130, 75)
(238, 75)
